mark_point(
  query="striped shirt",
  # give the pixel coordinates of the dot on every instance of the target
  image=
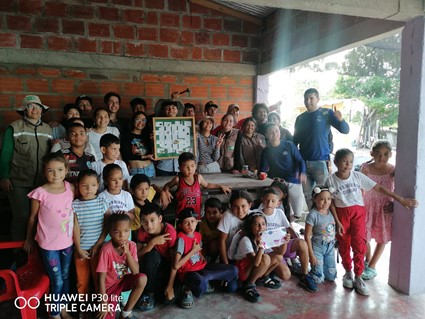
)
(207, 150)
(90, 215)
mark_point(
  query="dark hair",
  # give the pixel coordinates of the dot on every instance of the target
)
(108, 96)
(228, 115)
(381, 143)
(137, 100)
(71, 106)
(115, 218)
(270, 190)
(247, 120)
(138, 179)
(133, 118)
(311, 91)
(247, 224)
(188, 106)
(236, 194)
(71, 125)
(213, 202)
(257, 107)
(186, 156)
(87, 173)
(150, 208)
(97, 110)
(108, 139)
(83, 97)
(53, 157)
(210, 104)
(314, 193)
(341, 153)
(107, 170)
(72, 120)
(167, 103)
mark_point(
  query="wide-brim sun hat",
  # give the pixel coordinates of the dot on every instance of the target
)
(163, 102)
(31, 99)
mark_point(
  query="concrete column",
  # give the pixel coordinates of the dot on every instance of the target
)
(407, 261)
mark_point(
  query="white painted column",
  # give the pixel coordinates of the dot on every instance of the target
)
(407, 263)
(262, 89)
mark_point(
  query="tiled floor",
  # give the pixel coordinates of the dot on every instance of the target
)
(291, 301)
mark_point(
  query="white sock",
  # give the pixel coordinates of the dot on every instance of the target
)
(126, 314)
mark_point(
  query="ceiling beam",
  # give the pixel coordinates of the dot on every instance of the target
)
(229, 11)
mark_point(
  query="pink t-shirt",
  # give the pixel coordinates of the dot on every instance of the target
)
(113, 264)
(55, 218)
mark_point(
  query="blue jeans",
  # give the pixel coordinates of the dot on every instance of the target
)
(197, 281)
(56, 263)
(325, 255)
(317, 173)
(149, 171)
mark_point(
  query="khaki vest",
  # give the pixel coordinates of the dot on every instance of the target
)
(31, 143)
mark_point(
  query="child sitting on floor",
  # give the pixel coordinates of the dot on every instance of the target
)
(208, 228)
(192, 269)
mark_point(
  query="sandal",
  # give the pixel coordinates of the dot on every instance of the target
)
(146, 302)
(369, 273)
(268, 282)
(187, 300)
(251, 294)
(167, 299)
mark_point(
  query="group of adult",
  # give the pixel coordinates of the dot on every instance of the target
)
(227, 147)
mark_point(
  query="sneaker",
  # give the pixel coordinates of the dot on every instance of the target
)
(269, 282)
(369, 273)
(187, 299)
(347, 280)
(146, 303)
(250, 293)
(308, 283)
(360, 287)
(210, 288)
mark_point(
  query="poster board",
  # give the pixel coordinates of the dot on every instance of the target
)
(173, 136)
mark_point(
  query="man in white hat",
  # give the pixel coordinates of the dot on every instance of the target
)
(25, 142)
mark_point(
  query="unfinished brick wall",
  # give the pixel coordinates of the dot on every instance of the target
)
(154, 29)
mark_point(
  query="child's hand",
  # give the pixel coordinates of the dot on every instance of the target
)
(314, 261)
(287, 237)
(94, 250)
(196, 247)
(29, 245)
(409, 202)
(339, 228)
(226, 189)
(84, 254)
(162, 239)
(165, 198)
(303, 178)
(125, 248)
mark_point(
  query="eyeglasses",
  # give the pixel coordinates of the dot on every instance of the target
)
(140, 120)
(33, 106)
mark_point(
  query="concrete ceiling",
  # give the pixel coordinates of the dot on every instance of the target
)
(397, 10)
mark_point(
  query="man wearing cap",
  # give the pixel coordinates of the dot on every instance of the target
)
(210, 109)
(85, 103)
(138, 105)
(25, 142)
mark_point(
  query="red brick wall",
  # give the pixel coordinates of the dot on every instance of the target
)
(155, 29)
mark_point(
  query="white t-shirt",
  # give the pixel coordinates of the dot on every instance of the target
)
(116, 203)
(277, 220)
(245, 247)
(98, 166)
(94, 139)
(229, 224)
(348, 192)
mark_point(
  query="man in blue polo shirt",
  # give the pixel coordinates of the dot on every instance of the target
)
(311, 134)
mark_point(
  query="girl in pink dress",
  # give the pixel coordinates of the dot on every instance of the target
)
(379, 207)
(50, 224)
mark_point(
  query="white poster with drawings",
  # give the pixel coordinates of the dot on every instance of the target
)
(274, 238)
(173, 136)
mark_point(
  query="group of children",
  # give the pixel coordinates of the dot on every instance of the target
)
(121, 241)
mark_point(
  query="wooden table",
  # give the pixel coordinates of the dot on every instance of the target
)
(235, 181)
